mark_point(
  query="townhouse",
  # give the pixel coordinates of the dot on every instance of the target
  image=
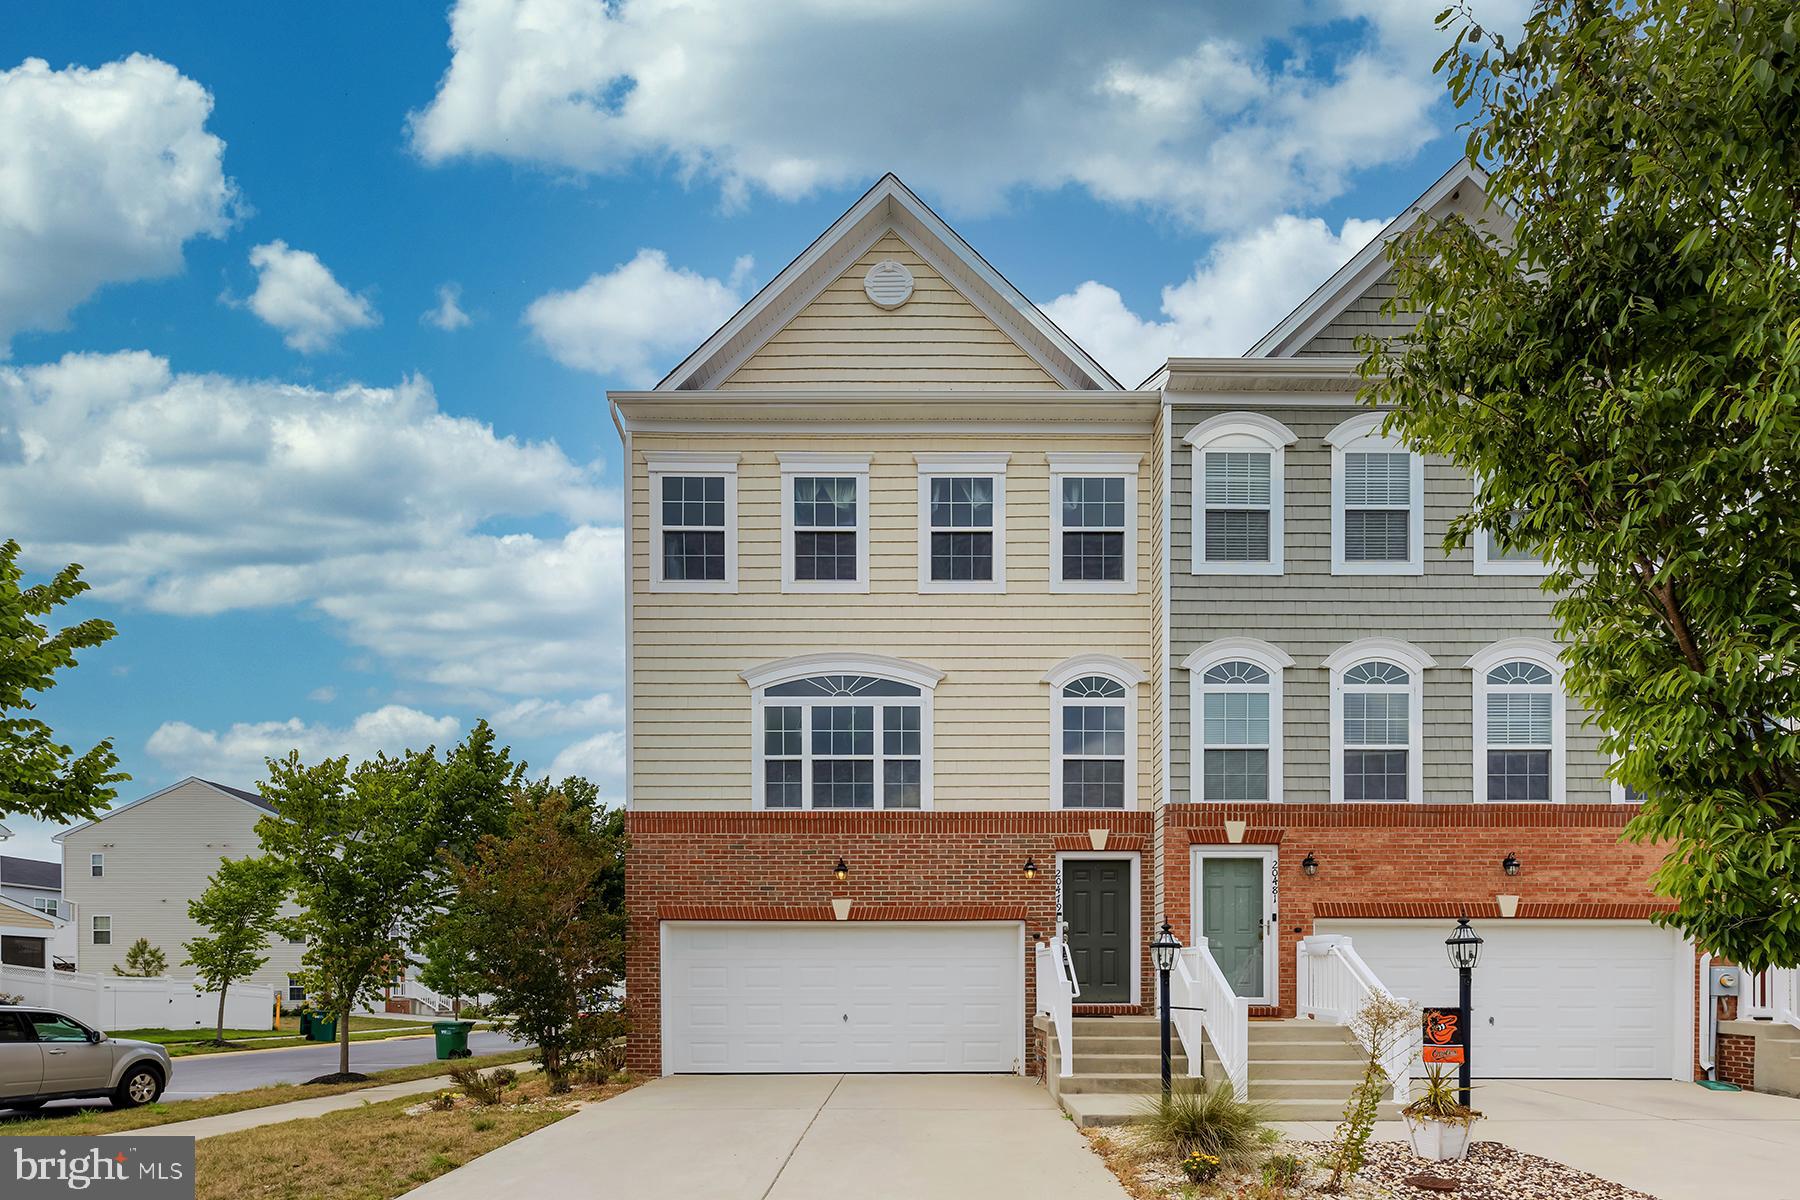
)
(955, 668)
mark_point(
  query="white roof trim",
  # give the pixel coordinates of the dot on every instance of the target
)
(1392, 649)
(56, 922)
(1349, 281)
(1252, 424)
(890, 204)
(832, 663)
(113, 812)
(1541, 651)
(1226, 649)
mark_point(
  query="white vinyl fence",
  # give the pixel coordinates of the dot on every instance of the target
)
(110, 1002)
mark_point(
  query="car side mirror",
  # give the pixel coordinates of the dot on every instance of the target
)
(95, 1036)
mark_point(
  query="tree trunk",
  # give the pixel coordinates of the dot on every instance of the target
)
(456, 1007)
(219, 1034)
(344, 1042)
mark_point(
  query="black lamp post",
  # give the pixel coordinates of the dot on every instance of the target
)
(1464, 947)
(1162, 953)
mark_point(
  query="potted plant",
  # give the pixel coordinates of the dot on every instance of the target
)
(1437, 1123)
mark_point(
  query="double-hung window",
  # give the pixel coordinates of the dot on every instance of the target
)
(825, 522)
(1497, 554)
(1377, 721)
(1235, 699)
(102, 931)
(843, 740)
(693, 519)
(1519, 714)
(1237, 519)
(97, 865)
(1377, 502)
(1094, 730)
(962, 522)
(1093, 499)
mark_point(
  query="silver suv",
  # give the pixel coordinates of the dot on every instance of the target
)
(45, 1055)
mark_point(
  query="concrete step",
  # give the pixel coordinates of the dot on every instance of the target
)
(1103, 1108)
(1330, 1090)
(1303, 1031)
(1339, 1069)
(1116, 1026)
(1133, 1084)
(1125, 1064)
(1320, 1051)
(1099, 1044)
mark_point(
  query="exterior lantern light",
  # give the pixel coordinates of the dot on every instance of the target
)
(1464, 945)
(1510, 864)
(840, 872)
(1031, 867)
(1310, 864)
(1163, 949)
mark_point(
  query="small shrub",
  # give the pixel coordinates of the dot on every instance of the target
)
(1215, 1123)
(444, 1101)
(503, 1077)
(482, 1089)
(481, 1124)
(1380, 1025)
(1439, 1102)
(1200, 1168)
(1283, 1171)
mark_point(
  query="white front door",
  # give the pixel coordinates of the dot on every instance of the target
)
(1551, 999)
(757, 997)
(1235, 891)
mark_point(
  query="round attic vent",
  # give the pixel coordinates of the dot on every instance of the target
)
(888, 283)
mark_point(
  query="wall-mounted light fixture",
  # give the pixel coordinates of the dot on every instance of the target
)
(1510, 864)
(1030, 868)
(1310, 864)
(840, 872)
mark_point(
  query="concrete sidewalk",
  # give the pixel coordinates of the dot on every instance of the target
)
(1676, 1141)
(801, 1137)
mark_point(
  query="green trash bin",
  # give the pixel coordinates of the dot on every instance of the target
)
(305, 1024)
(452, 1038)
(323, 1029)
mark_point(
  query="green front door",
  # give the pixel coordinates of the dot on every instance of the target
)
(1234, 920)
(1097, 910)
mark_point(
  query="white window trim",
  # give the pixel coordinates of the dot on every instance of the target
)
(1270, 658)
(46, 904)
(1544, 654)
(1363, 433)
(1485, 564)
(975, 465)
(107, 917)
(807, 464)
(1416, 662)
(686, 463)
(1238, 431)
(805, 666)
(1122, 465)
(1137, 893)
(1112, 667)
(96, 860)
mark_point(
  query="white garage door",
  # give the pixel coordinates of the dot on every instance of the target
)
(1552, 999)
(782, 997)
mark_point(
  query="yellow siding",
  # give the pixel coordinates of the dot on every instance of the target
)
(936, 339)
(692, 713)
(13, 918)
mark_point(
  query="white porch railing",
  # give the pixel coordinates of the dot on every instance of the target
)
(1333, 982)
(1056, 992)
(1773, 995)
(1207, 1010)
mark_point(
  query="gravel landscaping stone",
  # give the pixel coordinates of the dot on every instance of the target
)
(1490, 1172)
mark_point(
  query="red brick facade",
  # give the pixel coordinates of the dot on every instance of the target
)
(1736, 1060)
(930, 866)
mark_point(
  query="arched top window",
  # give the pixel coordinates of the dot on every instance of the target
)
(1523, 673)
(1235, 671)
(1094, 686)
(1094, 732)
(1377, 723)
(1378, 672)
(842, 685)
(1519, 719)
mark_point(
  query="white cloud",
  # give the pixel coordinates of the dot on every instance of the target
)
(599, 759)
(104, 174)
(322, 695)
(448, 315)
(237, 755)
(622, 321)
(297, 294)
(1215, 114)
(200, 494)
(538, 715)
(1236, 294)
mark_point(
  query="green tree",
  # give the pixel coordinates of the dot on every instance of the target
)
(1621, 370)
(143, 961)
(449, 967)
(543, 909)
(39, 776)
(239, 910)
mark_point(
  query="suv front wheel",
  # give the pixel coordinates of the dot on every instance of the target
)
(142, 1085)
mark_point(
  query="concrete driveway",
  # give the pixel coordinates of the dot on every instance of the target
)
(801, 1137)
(1676, 1141)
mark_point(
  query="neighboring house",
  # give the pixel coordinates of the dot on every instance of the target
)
(941, 642)
(34, 883)
(29, 937)
(131, 872)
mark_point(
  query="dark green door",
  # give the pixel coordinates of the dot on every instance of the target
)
(1097, 908)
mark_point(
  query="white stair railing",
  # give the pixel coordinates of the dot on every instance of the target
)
(1773, 995)
(1207, 1010)
(1056, 992)
(1333, 982)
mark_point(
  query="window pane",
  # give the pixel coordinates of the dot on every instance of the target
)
(900, 784)
(900, 732)
(1236, 719)
(1518, 775)
(1374, 774)
(1237, 535)
(1236, 775)
(1094, 685)
(1377, 672)
(1518, 719)
(1095, 730)
(781, 783)
(693, 556)
(962, 503)
(1094, 503)
(842, 685)
(1377, 480)
(1094, 556)
(1235, 672)
(1377, 535)
(781, 732)
(960, 557)
(840, 783)
(1238, 477)
(843, 729)
(825, 503)
(1088, 783)
(1521, 672)
(825, 556)
(1377, 718)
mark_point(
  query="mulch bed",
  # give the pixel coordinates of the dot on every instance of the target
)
(1490, 1172)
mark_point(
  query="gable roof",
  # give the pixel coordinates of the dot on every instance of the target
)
(250, 798)
(1461, 189)
(889, 205)
(35, 918)
(30, 873)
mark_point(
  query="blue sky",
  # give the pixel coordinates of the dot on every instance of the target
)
(327, 510)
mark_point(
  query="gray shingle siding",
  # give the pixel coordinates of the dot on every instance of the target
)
(1449, 612)
(1360, 316)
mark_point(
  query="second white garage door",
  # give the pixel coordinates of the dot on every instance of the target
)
(1553, 999)
(799, 997)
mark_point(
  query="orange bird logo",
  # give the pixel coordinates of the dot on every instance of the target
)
(1440, 1027)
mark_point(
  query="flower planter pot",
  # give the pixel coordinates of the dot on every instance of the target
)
(1438, 1141)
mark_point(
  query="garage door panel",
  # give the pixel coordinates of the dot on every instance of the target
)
(1569, 999)
(796, 997)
